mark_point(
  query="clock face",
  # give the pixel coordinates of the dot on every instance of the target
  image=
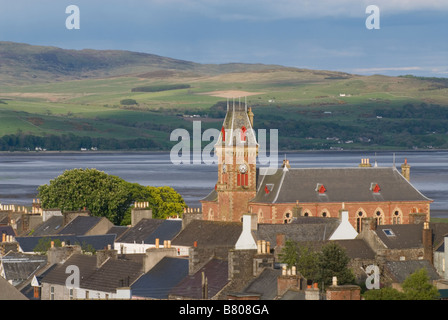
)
(243, 168)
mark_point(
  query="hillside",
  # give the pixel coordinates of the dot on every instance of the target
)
(58, 99)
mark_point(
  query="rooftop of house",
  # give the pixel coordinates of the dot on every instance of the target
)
(80, 225)
(400, 270)
(303, 229)
(216, 272)
(158, 281)
(98, 242)
(9, 292)
(208, 234)
(147, 230)
(265, 285)
(18, 267)
(311, 185)
(49, 227)
(112, 274)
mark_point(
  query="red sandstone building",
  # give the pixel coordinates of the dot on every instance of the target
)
(279, 195)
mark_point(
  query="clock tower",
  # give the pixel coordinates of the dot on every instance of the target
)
(237, 150)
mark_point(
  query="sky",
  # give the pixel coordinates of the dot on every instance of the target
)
(315, 34)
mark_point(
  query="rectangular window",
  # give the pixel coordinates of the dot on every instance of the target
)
(51, 293)
(70, 294)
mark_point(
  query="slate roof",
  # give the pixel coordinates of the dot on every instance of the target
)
(117, 230)
(85, 263)
(209, 234)
(49, 227)
(8, 230)
(264, 285)
(80, 225)
(147, 230)
(216, 271)
(341, 184)
(303, 229)
(113, 274)
(98, 242)
(405, 236)
(20, 266)
(158, 282)
(110, 275)
(356, 249)
(9, 292)
(400, 270)
(237, 118)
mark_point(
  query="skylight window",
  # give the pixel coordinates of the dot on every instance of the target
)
(389, 232)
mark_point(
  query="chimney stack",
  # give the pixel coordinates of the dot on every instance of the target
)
(406, 170)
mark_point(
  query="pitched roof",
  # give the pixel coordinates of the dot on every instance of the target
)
(400, 270)
(403, 236)
(147, 230)
(8, 230)
(9, 292)
(264, 285)
(49, 227)
(80, 225)
(85, 263)
(209, 234)
(356, 249)
(158, 281)
(110, 275)
(98, 242)
(216, 271)
(113, 274)
(340, 184)
(303, 229)
(19, 266)
(236, 119)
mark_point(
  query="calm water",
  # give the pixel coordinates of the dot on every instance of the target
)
(22, 173)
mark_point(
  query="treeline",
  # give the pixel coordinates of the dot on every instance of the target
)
(70, 142)
(161, 87)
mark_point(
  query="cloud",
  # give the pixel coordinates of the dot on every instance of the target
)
(254, 10)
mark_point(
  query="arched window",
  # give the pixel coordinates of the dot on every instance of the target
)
(287, 217)
(397, 217)
(379, 217)
(325, 213)
(307, 213)
(359, 216)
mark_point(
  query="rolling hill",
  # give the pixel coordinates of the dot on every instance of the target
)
(57, 99)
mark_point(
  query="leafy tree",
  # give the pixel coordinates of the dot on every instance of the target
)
(107, 195)
(384, 294)
(417, 286)
(289, 253)
(164, 201)
(45, 243)
(308, 262)
(333, 262)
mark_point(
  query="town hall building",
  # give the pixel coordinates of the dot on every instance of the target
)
(384, 194)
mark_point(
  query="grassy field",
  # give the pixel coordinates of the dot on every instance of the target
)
(297, 102)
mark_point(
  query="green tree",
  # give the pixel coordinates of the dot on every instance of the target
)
(308, 264)
(289, 253)
(45, 243)
(417, 286)
(104, 195)
(107, 195)
(164, 201)
(333, 262)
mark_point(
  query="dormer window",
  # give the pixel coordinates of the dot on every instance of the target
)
(375, 188)
(223, 132)
(243, 133)
(321, 188)
(268, 188)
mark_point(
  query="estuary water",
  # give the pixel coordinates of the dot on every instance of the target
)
(22, 173)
